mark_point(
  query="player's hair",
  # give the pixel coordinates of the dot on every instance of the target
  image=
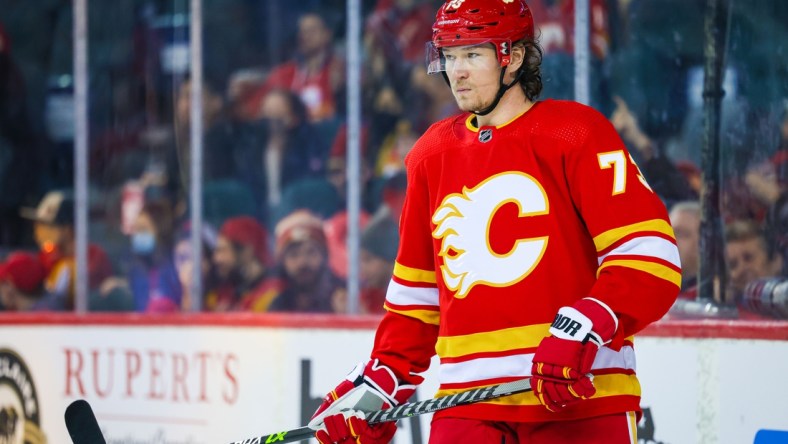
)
(531, 80)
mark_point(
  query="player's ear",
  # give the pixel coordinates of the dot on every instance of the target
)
(516, 60)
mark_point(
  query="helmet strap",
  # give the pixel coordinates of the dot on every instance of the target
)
(501, 91)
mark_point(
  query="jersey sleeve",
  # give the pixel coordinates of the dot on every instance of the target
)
(406, 337)
(639, 274)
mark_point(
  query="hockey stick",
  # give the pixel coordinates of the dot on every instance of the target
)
(407, 410)
(82, 425)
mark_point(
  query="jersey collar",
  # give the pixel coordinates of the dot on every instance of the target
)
(470, 122)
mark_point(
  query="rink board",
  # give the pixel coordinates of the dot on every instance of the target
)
(215, 379)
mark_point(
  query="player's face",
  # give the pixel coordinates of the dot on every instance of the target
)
(474, 75)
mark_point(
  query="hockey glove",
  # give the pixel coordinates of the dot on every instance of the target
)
(562, 363)
(354, 430)
(369, 387)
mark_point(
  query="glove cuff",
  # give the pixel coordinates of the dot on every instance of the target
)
(588, 319)
(382, 378)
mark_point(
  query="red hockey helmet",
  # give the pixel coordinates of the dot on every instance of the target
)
(473, 22)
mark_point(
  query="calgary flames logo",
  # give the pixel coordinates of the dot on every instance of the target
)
(463, 223)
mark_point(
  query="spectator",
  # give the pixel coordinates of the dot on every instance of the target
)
(335, 225)
(427, 99)
(775, 185)
(53, 230)
(184, 264)
(777, 225)
(750, 255)
(379, 243)
(393, 43)
(755, 195)
(556, 24)
(336, 168)
(221, 140)
(391, 157)
(685, 219)
(392, 199)
(663, 176)
(293, 149)
(387, 201)
(112, 294)
(241, 260)
(22, 285)
(556, 36)
(400, 27)
(336, 231)
(692, 175)
(316, 74)
(302, 255)
(152, 276)
(763, 181)
(240, 86)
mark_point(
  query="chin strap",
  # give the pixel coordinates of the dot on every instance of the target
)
(501, 90)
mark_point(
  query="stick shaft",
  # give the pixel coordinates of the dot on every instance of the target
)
(407, 410)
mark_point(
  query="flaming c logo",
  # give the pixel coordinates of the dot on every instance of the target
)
(463, 223)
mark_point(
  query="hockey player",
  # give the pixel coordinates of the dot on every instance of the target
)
(531, 245)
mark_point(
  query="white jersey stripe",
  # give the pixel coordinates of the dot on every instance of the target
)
(520, 366)
(399, 294)
(647, 246)
(486, 368)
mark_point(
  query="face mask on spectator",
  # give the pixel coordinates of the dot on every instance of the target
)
(143, 243)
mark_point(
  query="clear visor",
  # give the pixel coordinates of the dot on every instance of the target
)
(469, 54)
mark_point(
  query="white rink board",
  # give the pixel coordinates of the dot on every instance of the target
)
(216, 384)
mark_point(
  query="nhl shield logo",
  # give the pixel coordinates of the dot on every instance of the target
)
(485, 135)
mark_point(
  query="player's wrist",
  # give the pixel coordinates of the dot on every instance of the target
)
(589, 319)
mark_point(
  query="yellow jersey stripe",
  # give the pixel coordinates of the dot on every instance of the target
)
(469, 122)
(426, 316)
(633, 427)
(651, 268)
(491, 341)
(606, 385)
(414, 274)
(610, 237)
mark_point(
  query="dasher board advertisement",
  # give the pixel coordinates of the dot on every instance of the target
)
(229, 378)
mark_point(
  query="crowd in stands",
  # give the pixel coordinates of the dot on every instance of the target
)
(275, 136)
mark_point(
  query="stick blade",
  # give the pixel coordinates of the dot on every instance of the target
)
(82, 425)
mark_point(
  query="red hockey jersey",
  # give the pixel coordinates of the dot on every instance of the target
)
(504, 225)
